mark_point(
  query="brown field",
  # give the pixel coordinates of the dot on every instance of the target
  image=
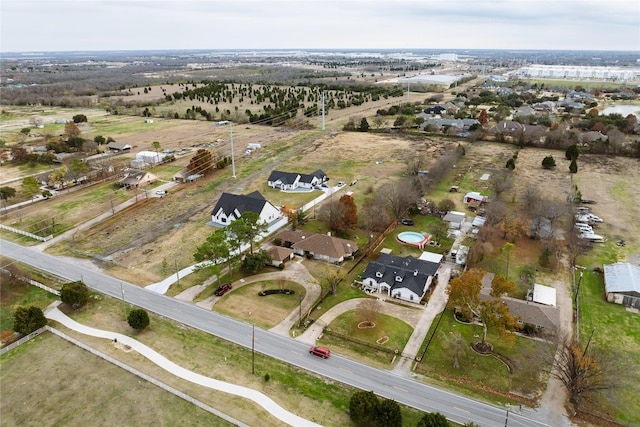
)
(47, 371)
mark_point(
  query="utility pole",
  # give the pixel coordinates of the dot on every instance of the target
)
(253, 349)
(124, 303)
(233, 162)
(177, 273)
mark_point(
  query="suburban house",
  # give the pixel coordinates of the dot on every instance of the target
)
(454, 218)
(119, 147)
(622, 284)
(317, 246)
(231, 207)
(438, 123)
(544, 317)
(134, 178)
(279, 255)
(292, 180)
(406, 278)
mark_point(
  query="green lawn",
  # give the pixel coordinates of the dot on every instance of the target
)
(397, 331)
(483, 374)
(616, 332)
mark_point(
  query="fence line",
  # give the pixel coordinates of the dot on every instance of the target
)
(33, 282)
(23, 340)
(146, 377)
(26, 233)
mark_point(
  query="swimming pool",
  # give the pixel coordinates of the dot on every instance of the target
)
(413, 238)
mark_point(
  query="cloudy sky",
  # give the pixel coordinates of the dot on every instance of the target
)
(54, 25)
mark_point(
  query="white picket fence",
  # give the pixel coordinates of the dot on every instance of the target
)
(26, 233)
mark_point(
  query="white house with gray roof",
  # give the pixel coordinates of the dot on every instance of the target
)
(405, 278)
(292, 180)
(231, 207)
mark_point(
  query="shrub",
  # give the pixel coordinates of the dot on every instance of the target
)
(548, 162)
(138, 319)
(511, 164)
(27, 320)
(573, 167)
(75, 294)
(267, 377)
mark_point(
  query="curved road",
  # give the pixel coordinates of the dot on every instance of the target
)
(383, 383)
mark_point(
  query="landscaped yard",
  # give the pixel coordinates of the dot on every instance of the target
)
(484, 374)
(265, 311)
(361, 343)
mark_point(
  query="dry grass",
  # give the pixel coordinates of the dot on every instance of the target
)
(47, 381)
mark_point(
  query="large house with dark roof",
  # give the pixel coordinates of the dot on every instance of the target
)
(231, 207)
(406, 278)
(292, 180)
(317, 246)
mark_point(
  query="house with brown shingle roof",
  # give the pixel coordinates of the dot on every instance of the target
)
(279, 255)
(318, 246)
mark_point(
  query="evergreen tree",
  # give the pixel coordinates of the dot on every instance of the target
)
(27, 320)
(573, 167)
(138, 319)
(75, 294)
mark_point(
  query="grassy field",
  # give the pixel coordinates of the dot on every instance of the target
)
(55, 377)
(616, 333)
(307, 395)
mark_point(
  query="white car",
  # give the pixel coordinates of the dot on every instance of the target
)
(161, 192)
(583, 227)
(594, 218)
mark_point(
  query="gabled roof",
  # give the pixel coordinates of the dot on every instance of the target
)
(453, 216)
(118, 145)
(414, 272)
(253, 202)
(534, 314)
(290, 177)
(621, 277)
(283, 177)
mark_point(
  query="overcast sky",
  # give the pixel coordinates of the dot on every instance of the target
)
(53, 25)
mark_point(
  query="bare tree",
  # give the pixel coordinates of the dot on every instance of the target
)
(397, 197)
(331, 278)
(368, 310)
(583, 372)
(501, 182)
(374, 215)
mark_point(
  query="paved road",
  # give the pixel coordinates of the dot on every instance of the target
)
(383, 383)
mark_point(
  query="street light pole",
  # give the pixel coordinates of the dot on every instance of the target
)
(253, 349)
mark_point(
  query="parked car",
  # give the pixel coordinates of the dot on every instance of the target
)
(319, 351)
(594, 218)
(161, 192)
(406, 221)
(223, 289)
(354, 182)
(340, 184)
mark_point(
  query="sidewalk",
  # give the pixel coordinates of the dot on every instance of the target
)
(272, 407)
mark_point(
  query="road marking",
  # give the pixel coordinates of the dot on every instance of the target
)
(401, 389)
(460, 409)
(212, 322)
(346, 370)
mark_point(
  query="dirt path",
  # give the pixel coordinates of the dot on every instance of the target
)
(552, 405)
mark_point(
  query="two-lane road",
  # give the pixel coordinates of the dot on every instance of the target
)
(383, 383)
